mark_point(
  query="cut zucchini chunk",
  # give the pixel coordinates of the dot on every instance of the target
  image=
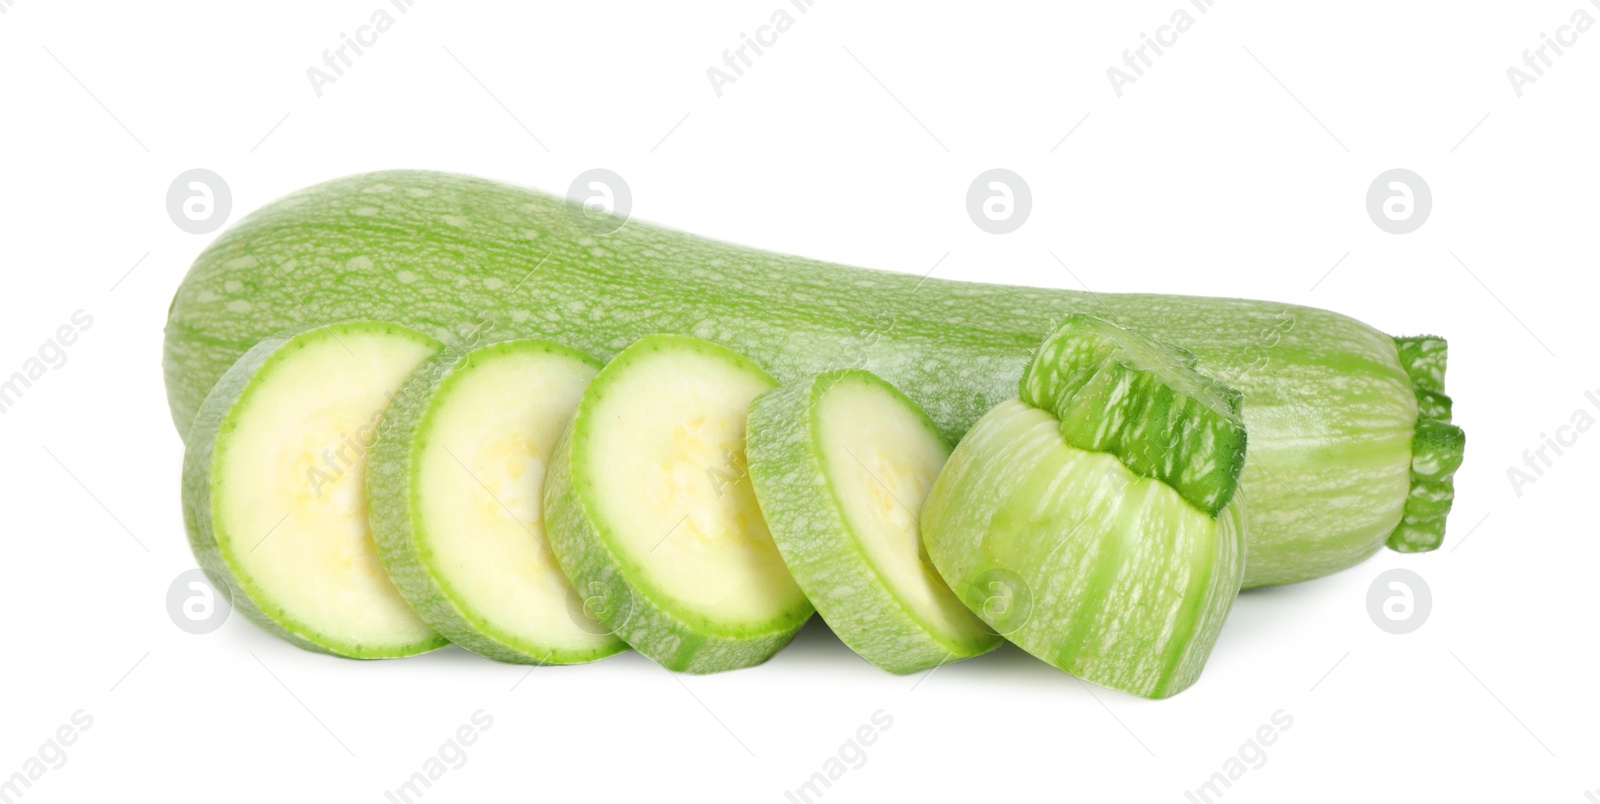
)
(1116, 562)
(650, 511)
(456, 484)
(841, 465)
(275, 495)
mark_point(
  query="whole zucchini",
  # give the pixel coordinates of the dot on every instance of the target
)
(1338, 413)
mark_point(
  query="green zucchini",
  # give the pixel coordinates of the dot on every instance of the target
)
(841, 464)
(456, 483)
(1331, 404)
(649, 508)
(274, 489)
(1102, 507)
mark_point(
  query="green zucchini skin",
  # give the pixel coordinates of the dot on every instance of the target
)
(1328, 402)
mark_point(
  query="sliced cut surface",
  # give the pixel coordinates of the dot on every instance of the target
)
(841, 465)
(456, 484)
(650, 511)
(1092, 559)
(275, 493)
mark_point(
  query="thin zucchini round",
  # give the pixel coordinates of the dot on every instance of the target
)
(841, 465)
(275, 494)
(456, 485)
(650, 511)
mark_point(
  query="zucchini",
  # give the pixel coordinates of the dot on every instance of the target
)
(1331, 404)
(841, 464)
(456, 484)
(1101, 508)
(649, 508)
(274, 493)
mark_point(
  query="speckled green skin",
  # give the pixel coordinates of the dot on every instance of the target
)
(619, 594)
(209, 537)
(394, 497)
(1327, 400)
(819, 546)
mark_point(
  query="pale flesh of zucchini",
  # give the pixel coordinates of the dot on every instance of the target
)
(649, 506)
(841, 465)
(457, 485)
(275, 493)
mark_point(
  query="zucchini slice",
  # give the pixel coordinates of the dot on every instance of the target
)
(274, 487)
(649, 509)
(841, 465)
(1095, 522)
(457, 481)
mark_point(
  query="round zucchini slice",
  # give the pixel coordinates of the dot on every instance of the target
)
(649, 509)
(457, 482)
(841, 465)
(275, 498)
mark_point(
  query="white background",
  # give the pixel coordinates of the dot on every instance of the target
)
(853, 139)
